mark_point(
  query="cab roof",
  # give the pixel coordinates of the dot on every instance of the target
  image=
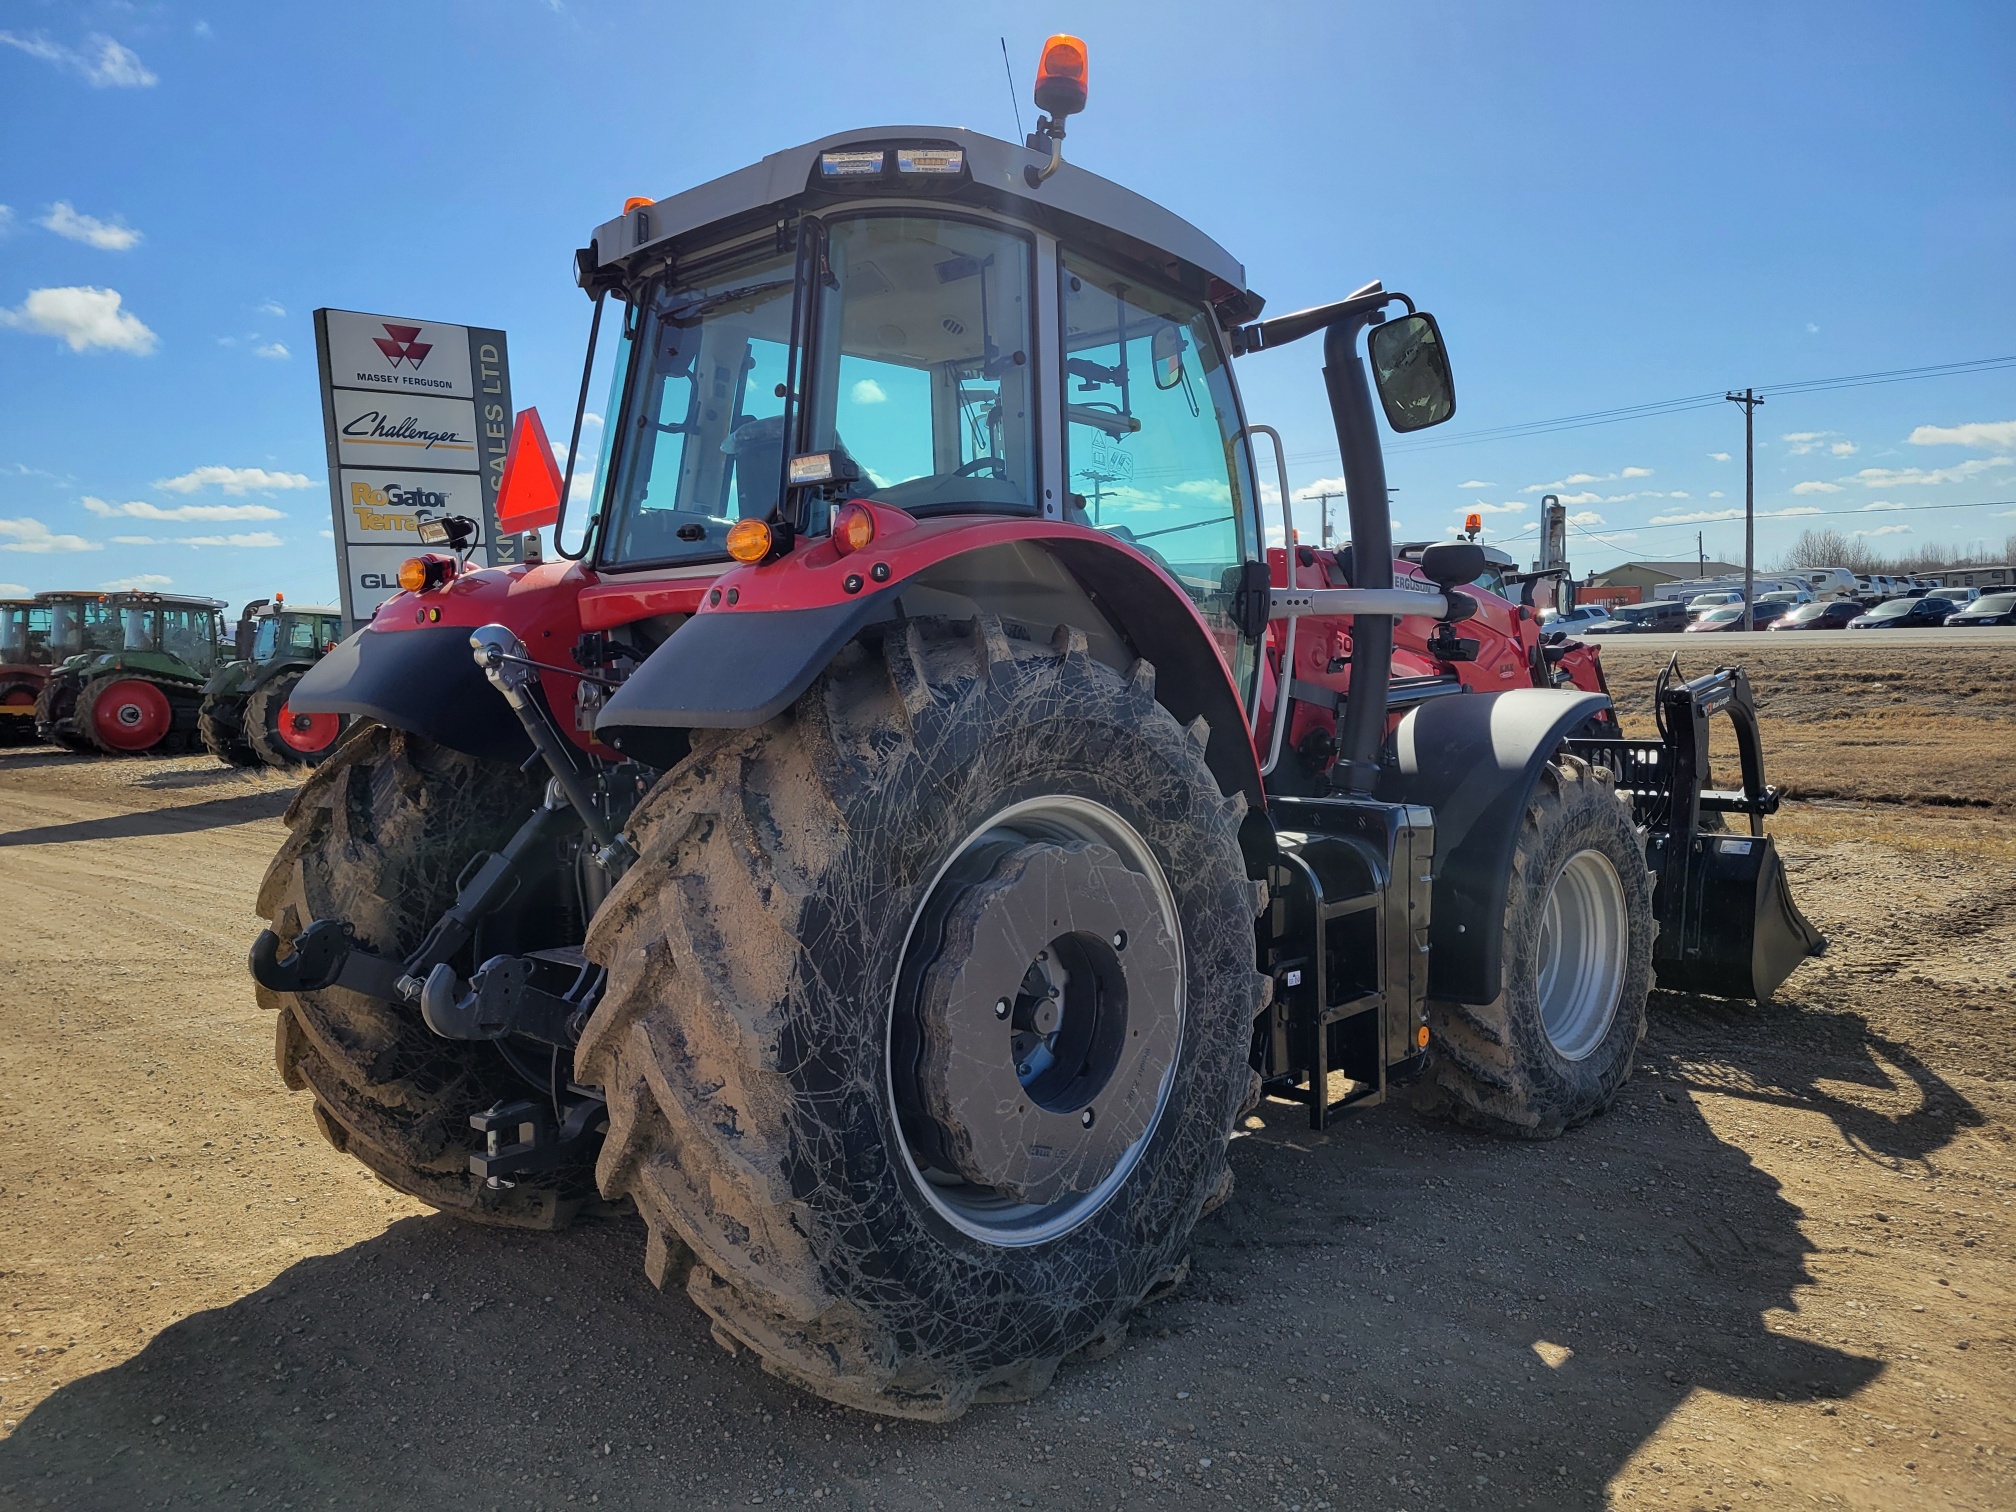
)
(1072, 200)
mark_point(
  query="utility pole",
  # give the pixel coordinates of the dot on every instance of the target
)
(1323, 503)
(1749, 399)
(1700, 555)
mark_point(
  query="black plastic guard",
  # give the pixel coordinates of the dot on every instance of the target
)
(731, 669)
(425, 680)
(1474, 760)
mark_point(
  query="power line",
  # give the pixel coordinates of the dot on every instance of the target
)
(1657, 407)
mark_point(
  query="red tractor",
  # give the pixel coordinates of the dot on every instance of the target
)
(918, 822)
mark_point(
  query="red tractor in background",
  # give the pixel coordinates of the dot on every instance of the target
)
(923, 816)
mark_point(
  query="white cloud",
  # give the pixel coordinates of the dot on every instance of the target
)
(13, 590)
(1585, 517)
(247, 538)
(1474, 483)
(1715, 493)
(1843, 449)
(1883, 530)
(275, 349)
(1582, 498)
(1480, 507)
(271, 307)
(1576, 479)
(1983, 435)
(1679, 494)
(1815, 487)
(1812, 329)
(140, 509)
(1718, 456)
(106, 236)
(868, 391)
(1636, 472)
(35, 537)
(1800, 443)
(138, 580)
(102, 61)
(84, 317)
(1907, 477)
(233, 480)
(6, 219)
(1332, 486)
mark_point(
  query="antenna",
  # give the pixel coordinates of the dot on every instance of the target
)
(1013, 98)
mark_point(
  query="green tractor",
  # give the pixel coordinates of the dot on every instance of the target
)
(133, 682)
(246, 717)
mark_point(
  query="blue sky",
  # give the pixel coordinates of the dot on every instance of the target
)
(1605, 205)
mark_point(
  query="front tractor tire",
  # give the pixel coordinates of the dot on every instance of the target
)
(379, 834)
(928, 1015)
(283, 736)
(1555, 1047)
(220, 724)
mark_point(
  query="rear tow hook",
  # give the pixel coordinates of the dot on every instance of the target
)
(546, 995)
(536, 1144)
(325, 955)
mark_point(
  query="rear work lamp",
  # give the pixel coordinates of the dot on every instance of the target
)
(930, 160)
(851, 164)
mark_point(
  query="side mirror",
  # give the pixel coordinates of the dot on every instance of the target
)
(1449, 564)
(1410, 366)
(1165, 350)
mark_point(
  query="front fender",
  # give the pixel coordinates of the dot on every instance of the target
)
(1475, 760)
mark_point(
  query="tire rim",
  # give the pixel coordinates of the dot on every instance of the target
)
(1579, 970)
(308, 733)
(1036, 1020)
(130, 715)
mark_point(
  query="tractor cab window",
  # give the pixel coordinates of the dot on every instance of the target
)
(300, 636)
(700, 408)
(188, 634)
(925, 362)
(266, 638)
(1150, 456)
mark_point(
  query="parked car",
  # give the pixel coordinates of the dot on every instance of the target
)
(1785, 596)
(1905, 614)
(1575, 620)
(1665, 616)
(1702, 602)
(1833, 614)
(1989, 609)
(1729, 616)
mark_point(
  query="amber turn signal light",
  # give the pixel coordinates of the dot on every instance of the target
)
(421, 573)
(853, 528)
(749, 540)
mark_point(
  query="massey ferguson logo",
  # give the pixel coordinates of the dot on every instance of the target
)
(401, 343)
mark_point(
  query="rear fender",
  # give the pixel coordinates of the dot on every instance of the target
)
(763, 633)
(1475, 761)
(411, 668)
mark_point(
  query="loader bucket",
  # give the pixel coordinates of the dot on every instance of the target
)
(1733, 929)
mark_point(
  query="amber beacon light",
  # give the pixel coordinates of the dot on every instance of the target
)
(1061, 77)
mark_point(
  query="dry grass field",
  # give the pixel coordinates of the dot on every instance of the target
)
(1777, 1274)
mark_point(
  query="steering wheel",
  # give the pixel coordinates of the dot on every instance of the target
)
(994, 465)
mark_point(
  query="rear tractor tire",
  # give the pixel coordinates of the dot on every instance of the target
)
(928, 1016)
(125, 714)
(55, 714)
(283, 736)
(221, 725)
(1556, 1045)
(379, 835)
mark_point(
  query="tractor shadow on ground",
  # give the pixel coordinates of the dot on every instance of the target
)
(1390, 1312)
(216, 813)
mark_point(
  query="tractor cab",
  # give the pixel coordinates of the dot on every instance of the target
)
(80, 624)
(24, 633)
(290, 631)
(185, 633)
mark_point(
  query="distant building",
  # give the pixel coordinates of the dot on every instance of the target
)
(1645, 576)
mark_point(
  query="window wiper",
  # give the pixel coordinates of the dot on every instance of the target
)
(688, 313)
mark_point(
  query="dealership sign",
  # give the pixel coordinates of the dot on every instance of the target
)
(417, 416)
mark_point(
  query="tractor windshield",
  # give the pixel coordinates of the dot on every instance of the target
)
(697, 429)
(923, 362)
(266, 638)
(84, 624)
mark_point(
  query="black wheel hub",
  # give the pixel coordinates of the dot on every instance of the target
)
(1045, 1023)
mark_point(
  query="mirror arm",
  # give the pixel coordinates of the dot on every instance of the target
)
(574, 441)
(1282, 329)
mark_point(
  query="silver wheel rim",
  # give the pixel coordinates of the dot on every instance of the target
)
(1579, 966)
(975, 1210)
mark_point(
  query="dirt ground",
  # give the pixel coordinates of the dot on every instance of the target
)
(1777, 1274)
